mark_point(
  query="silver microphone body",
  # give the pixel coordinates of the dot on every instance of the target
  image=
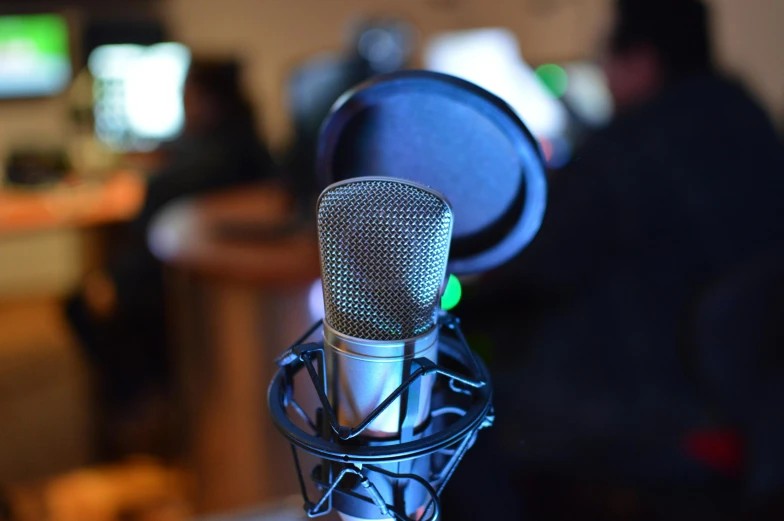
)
(367, 371)
(384, 245)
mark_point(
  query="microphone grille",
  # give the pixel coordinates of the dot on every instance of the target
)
(384, 246)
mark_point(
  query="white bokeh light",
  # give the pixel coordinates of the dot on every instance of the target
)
(316, 300)
(139, 92)
(491, 59)
(589, 94)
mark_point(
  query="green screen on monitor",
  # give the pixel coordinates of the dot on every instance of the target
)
(34, 55)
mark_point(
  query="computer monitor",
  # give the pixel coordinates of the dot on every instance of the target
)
(35, 56)
(138, 93)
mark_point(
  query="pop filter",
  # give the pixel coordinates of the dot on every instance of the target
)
(456, 138)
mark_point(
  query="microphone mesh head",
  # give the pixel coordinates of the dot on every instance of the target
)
(384, 246)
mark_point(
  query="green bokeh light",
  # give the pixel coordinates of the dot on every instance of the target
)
(554, 78)
(452, 293)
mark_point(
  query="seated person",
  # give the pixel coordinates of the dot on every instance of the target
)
(118, 314)
(588, 322)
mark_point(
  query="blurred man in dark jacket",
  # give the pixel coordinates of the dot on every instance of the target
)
(589, 323)
(118, 313)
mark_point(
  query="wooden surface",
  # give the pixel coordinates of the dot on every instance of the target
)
(238, 295)
(250, 235)
(139, 488)
(118, 198)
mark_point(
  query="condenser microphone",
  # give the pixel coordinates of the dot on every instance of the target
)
(384, 245)
(399, 401)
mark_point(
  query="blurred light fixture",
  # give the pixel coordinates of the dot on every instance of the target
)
(491, 59)
(138, 93)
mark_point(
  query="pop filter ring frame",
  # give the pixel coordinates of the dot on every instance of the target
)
(477, 415)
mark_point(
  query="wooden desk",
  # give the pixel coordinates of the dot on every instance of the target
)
(232, 236)
(118, 198)
(236, 303)
(50, 237)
